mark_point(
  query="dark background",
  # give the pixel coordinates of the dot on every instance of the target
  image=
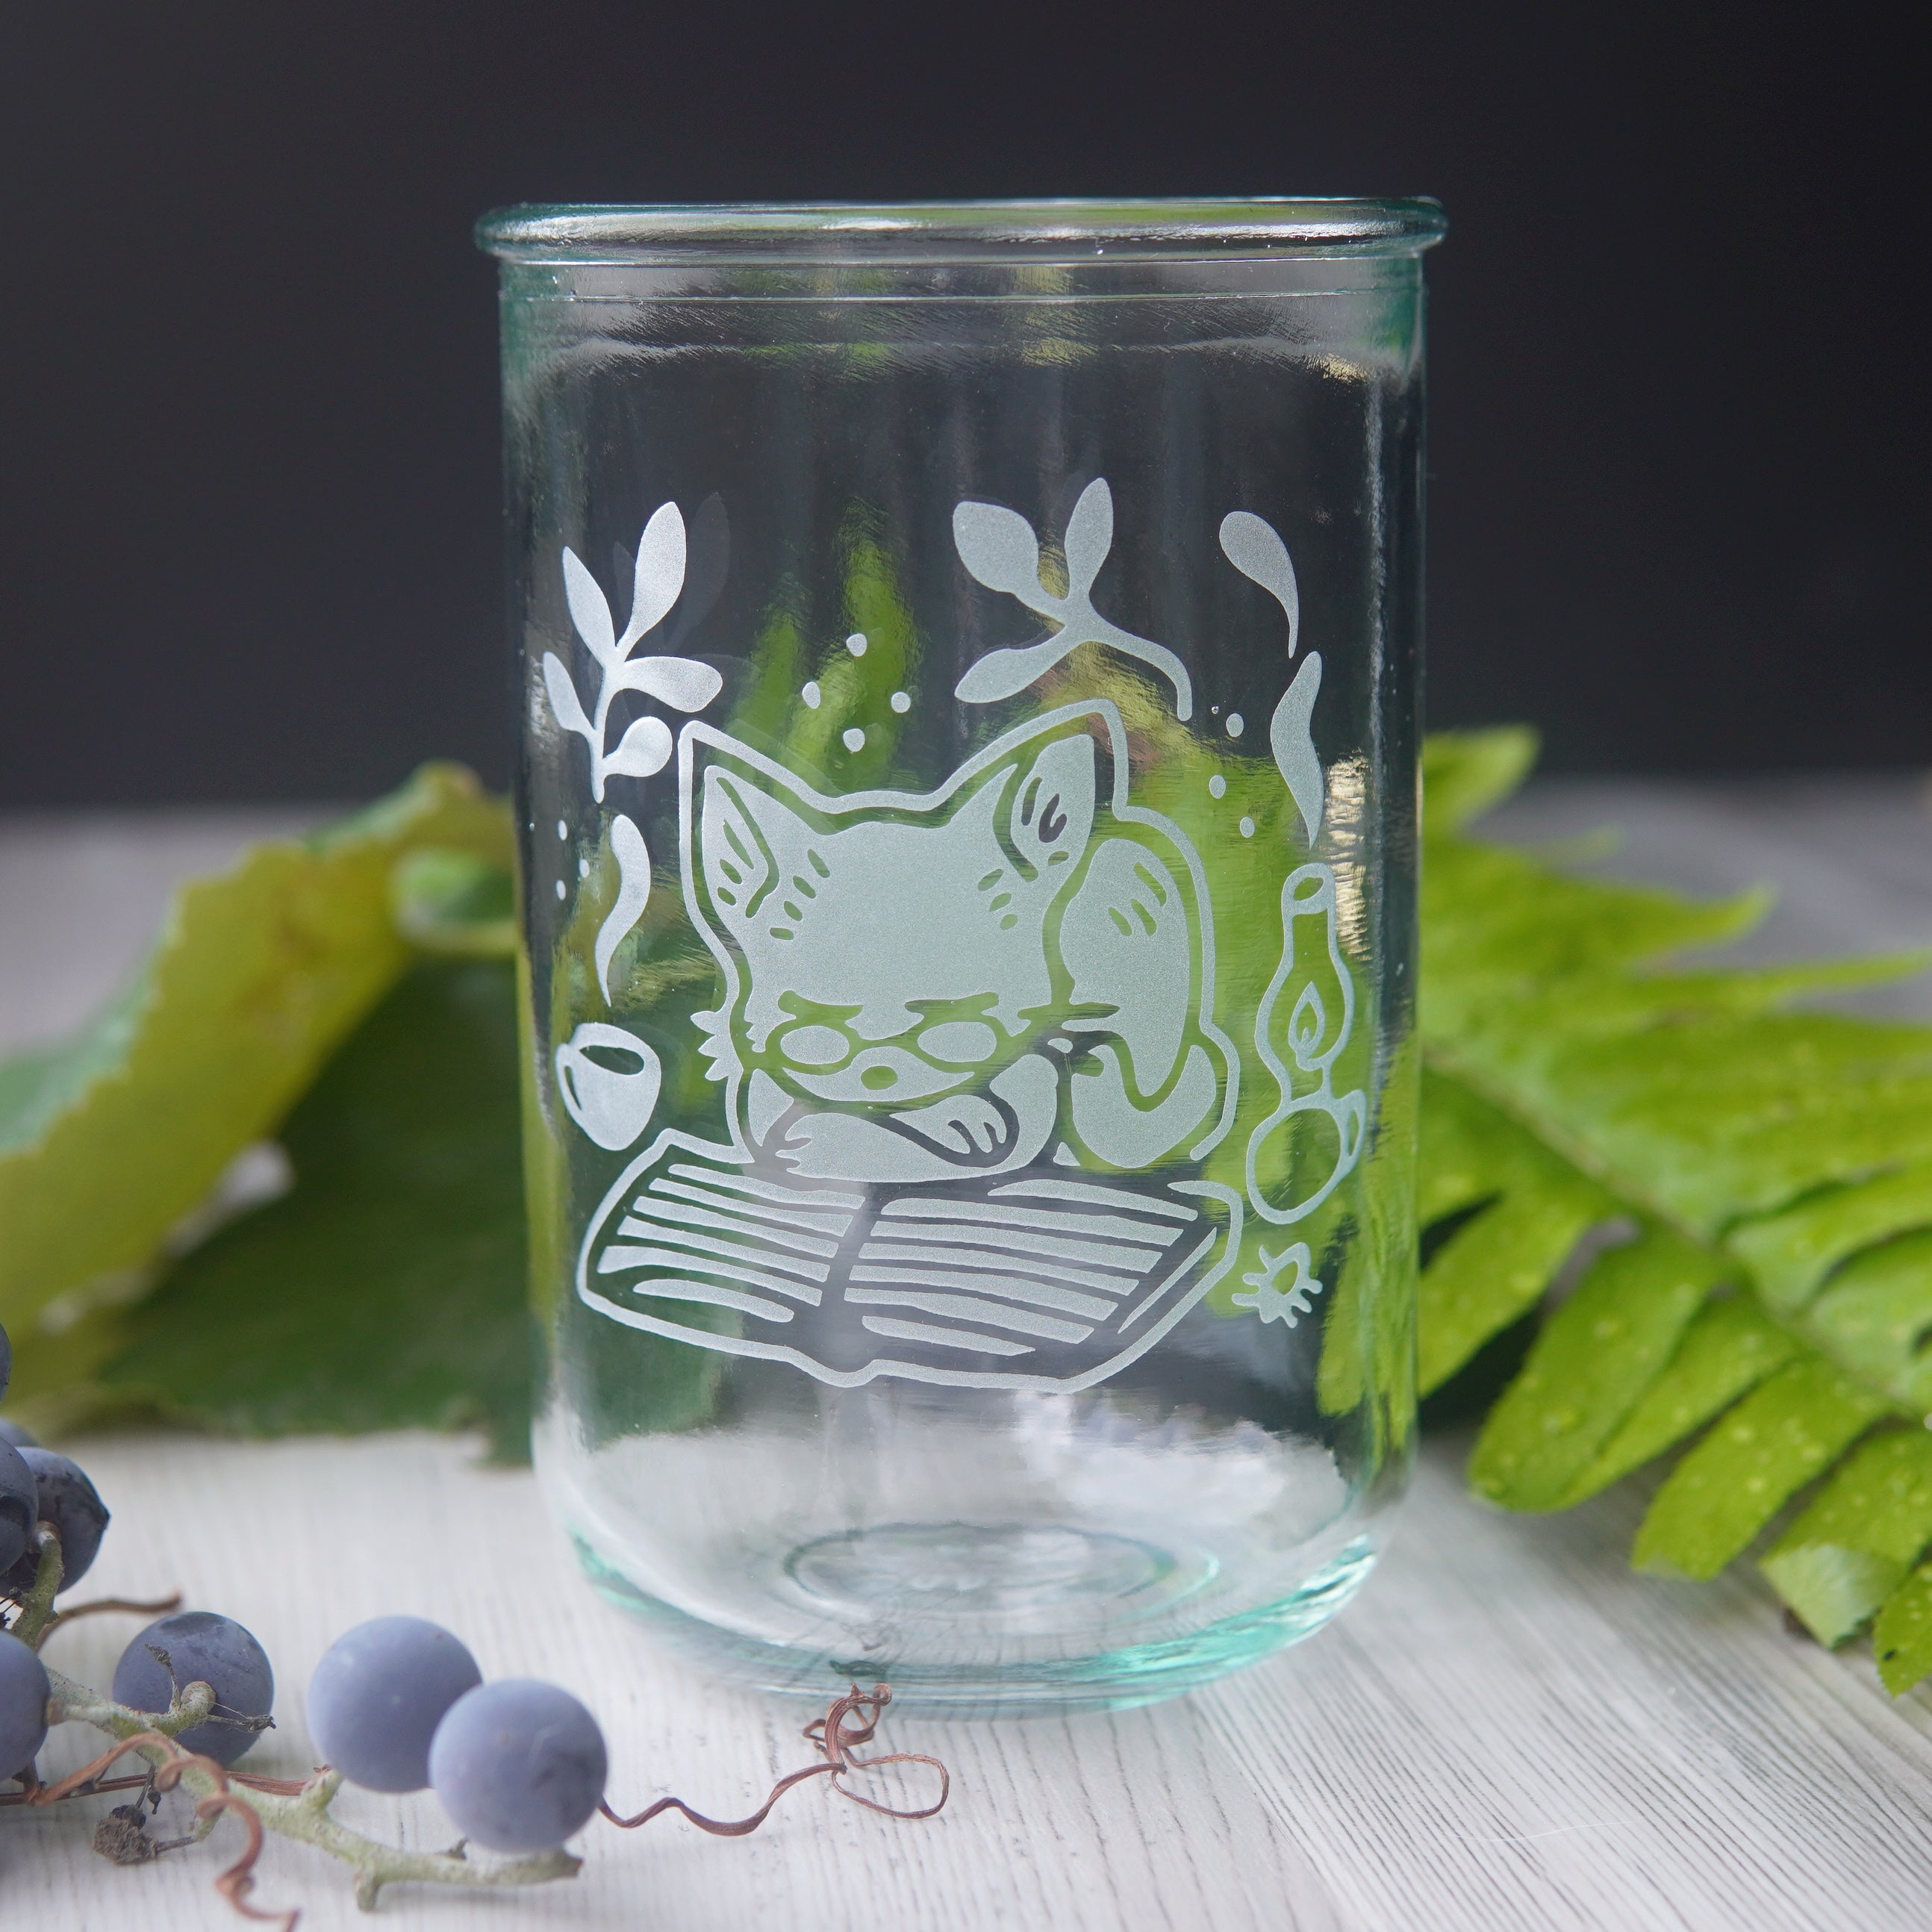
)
(248, 351)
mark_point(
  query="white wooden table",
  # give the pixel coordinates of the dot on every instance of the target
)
(1508, 1729)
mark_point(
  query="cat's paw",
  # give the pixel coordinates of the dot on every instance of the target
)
(994, 1132)
(967, 1126)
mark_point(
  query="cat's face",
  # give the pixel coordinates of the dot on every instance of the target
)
(892, 954)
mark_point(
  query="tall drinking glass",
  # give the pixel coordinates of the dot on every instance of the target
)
(967, 662)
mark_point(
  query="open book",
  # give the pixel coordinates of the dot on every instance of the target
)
(1043, 1277)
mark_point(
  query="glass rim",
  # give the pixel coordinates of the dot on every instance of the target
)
(934, 232)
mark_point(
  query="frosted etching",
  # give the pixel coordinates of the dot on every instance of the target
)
(999, 547)
(969, 1066)
(952, 1020)
(657, 581)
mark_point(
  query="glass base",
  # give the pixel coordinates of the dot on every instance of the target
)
(975, 1590)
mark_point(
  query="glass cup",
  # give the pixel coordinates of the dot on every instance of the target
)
(967, 664)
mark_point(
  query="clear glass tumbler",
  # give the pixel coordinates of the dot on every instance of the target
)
(967, 666)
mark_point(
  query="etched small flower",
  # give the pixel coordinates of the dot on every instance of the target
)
(1277, 1304)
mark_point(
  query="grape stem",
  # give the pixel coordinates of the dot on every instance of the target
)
(37, 1606)
(291, 1810)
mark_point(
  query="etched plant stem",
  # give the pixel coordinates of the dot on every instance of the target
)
(684, 683)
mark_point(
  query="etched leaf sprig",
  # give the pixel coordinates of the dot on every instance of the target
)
(1001, 548)
(683, 683)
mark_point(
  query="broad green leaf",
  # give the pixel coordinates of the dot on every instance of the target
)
(456, 902)
(108, 1142)
(1466, 773)
(1859, 1537)
(1727, 1350)
(1782, 1435)
(1589, 1368)
(388, 1288)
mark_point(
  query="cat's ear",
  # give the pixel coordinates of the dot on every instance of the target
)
(747, 840)
(1051, 814)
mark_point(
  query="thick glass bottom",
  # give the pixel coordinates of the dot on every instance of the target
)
(985, 1619)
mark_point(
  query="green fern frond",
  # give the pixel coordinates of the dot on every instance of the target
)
(1749, 1184)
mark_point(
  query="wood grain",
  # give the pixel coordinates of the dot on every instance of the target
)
(1508, 1730)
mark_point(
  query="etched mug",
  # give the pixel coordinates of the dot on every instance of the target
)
(967, 664)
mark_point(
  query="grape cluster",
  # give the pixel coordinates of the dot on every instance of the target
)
(396, 1705)
(38, 1487)
(23, 1678)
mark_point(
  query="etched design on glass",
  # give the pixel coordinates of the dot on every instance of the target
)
(950, 1020)
(634, 894)
(1312, 982)
(999, 547)
(897, 966)
(1254, 547)
(657, 582)
(1308, 1013)
(1293, 744)
(1287, 1304)
(613, 1105)
(1037, 1281)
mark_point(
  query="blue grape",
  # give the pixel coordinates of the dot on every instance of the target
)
(71, 1504)
(12, 1434)
(519, 1765)
(198, 1647)
(24, 1692)
(20, 1511)
(378, 1695)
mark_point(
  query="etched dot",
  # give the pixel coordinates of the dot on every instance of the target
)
(855, 740)
(562, 830)
(1247, 828)
(1217, 786)
(811, 695)
(560, 889)
(1235, 723)
(901, 703)
(584, 869)
(856, 643)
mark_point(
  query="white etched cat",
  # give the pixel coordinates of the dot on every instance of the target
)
(927, 988)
